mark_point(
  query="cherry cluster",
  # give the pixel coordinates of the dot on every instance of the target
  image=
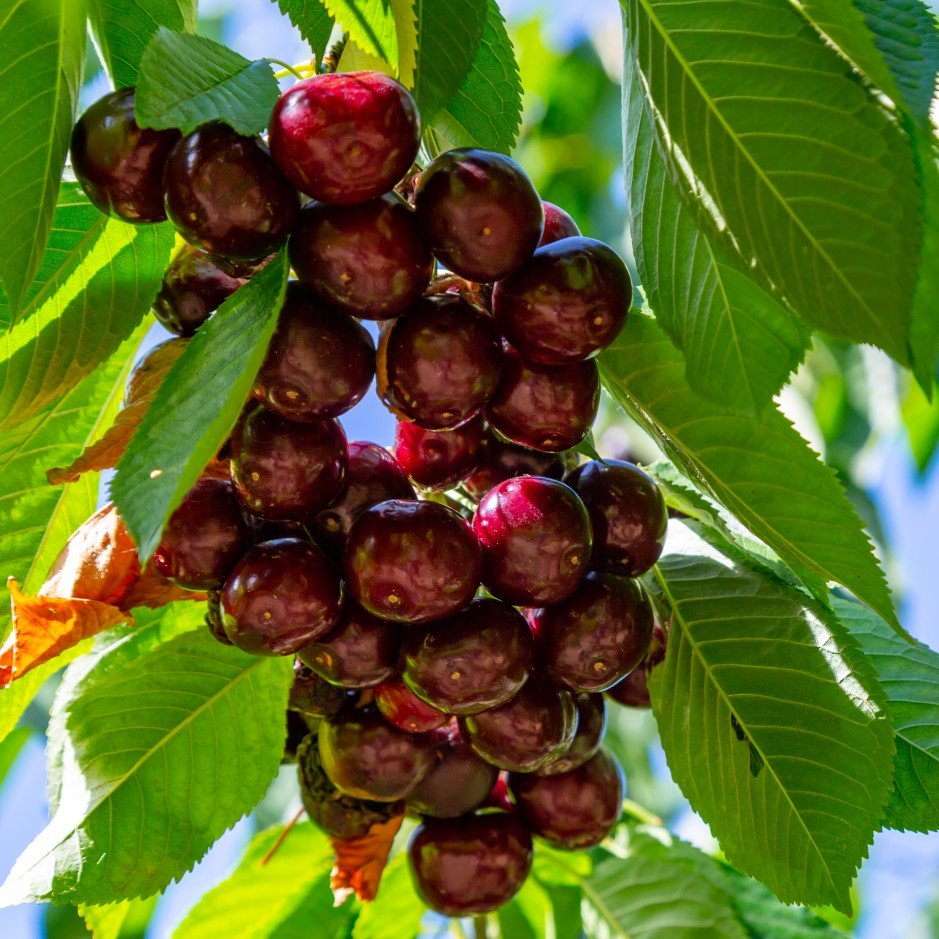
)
(456, 608)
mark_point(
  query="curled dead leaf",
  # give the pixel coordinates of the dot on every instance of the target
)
(361, 861)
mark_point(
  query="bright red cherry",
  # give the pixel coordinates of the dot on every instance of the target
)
(458, 783)
(439, 459)
(401, 707)
(558, 224)
(591, 723)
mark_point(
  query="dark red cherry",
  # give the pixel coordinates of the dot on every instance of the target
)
(281, 596)
(366, 757)
(439, 459)
(480, 213)
(535, 537)
(412, 561)
(370, 260)
(372, 476)
(574, 810)
(319, 363)
(118, 164)
(345, 137)
(627, 511)
(362, 651)
(633, 690)
(591, 723)
(284, 471)
(530, 730)
(193, 288)
(472, 864)
(225, 195)
(476, 659)
(545, 407)
(500, 461)
(401, 707)
(312, 695)
(558, 224)
(213, 617)
(439, 363)
(297, 731)
(150, 371)
(566, 303)
(458, 783)
(204, 538)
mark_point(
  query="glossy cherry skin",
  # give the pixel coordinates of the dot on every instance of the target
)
(370, 260)
(213, 618)
(574, 810)
(480, 213)
(319, 363)
(225, 195)
(372, 476)
(472, 864)
(405, 710)
(591, 724)
(118, 164)
(545, 407)
(628, 513)
(458, 783)
(439, 459)
(439, 363)
(499, 461)
(476, 659)
(558, 224)
(566, 303)
(284, 471)
(535, 537)
(362, 651)
(345, 137)
(204, 537)
(281, 596)
(633, 690)
(528, 731)
(366, 757)
(312, 696)
(412, 561)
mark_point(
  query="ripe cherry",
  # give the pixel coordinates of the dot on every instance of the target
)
(225, 195)
(118, 164)
(566, 303)
(204, 537)
(284, 471)
(628, 513)
(439, 363)
(545, 407)
(313, 696)
(297, 731)
(364, 756)
(213, 618)
(500, 461)
(320, 361)
(370, 260)
(591, 723)
(439, 459)
(405, 710)
(458, 783)
(472, 864)
(558, 224)
(474, 660)
(345, 137)
(633, 690)
(574, 810)
(535, 536)
(412, 561)
(480, 213)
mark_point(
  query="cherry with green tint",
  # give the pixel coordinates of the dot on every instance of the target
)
(281, 596)
(365, 756)
(591, 723)
(574, 810)
(457, 783)
(439, 363)
(319, 363)
(345, 137)
(535, 537)
(225, 195)
(204, 537)
(476, 659)
(370, 260)
(470, 865)
(119, 164)
(439, 459)
(285, 471)
(405, 710)
(412, 561)
(313, 696)
(558, 224)
(480, 213)
(533, 728)
(544, 407)
(499, 461)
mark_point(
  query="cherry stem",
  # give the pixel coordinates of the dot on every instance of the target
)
(641, 813)
(294, 70)
(480, 930)
(282, 837)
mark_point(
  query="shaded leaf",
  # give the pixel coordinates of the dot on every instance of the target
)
(312, 19)
(371, 26)
(396, 911)
(361, 861)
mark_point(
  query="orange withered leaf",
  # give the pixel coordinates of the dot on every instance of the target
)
(361, 861)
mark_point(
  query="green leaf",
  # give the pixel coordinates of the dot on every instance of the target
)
(486, 111)
(772, 725)
(197, 406)
(528, 915)
(909, 675)
(921, 419)
(187, 80)
(760, 470)
(165, 751)
(97, 279)
(42, 48)
(122, 28)
(397, 910)
(312, 19)
(813, 178)
(105, 921)
(10, 749)
(370, 25)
